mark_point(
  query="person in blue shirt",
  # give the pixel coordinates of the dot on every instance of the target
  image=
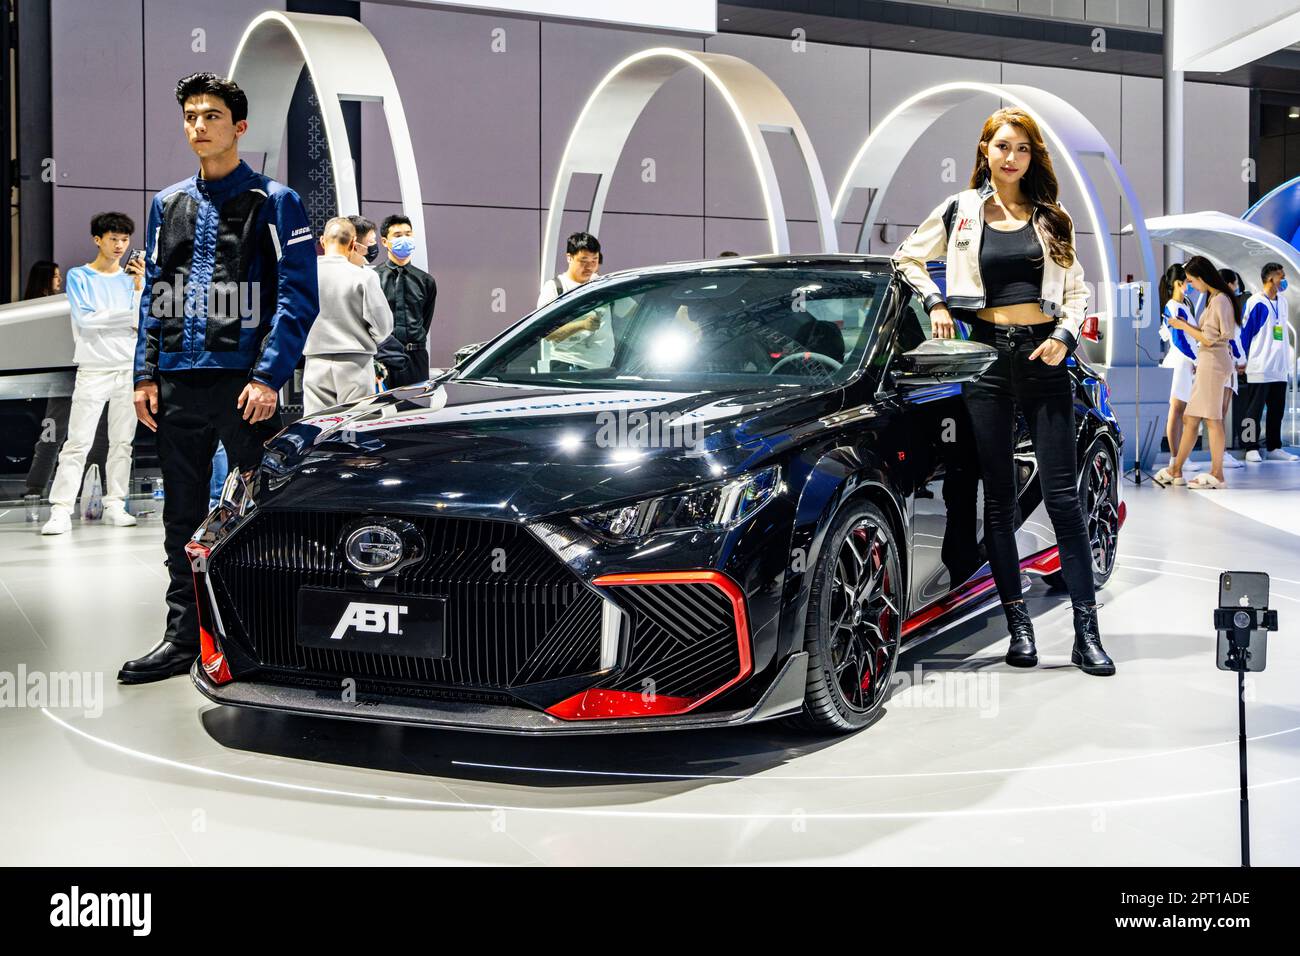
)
(229, 297)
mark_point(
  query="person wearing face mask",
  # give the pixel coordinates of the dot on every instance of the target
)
(365, 250)
(354, 318)
(1263, 386)
(411, 293)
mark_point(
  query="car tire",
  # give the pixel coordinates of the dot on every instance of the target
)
(1099, 492)
(854, 627)
(1099, 498)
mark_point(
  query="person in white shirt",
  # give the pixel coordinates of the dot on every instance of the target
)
(1181, 357)
(1268, 360)
(587, 341)
(354, 318)
(104, 301)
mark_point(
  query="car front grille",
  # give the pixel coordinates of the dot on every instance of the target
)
(515, 614)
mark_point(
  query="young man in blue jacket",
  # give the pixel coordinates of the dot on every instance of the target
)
(229, 296)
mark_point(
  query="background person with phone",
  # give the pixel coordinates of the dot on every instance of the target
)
(104, 300)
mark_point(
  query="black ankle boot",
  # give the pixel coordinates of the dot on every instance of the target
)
(1088, 652)
(1022, 652)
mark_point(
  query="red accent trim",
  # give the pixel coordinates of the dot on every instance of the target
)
(1123, 512)
(599, 703)
(214, 661)
(1091, 329)
(195, 550)
(1044, 562)
(210, 653)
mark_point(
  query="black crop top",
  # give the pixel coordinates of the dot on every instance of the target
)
(1011, 265)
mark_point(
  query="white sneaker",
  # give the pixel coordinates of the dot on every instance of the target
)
(119, 517)
(1281, 454)
(60, 522)
(1253, 456)
(1230, 461)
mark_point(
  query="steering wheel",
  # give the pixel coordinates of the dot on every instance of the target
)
(826, 360)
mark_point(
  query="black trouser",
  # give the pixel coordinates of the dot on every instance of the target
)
(196, 409)
(1255, 397)
(1045, 394)
(417, 366)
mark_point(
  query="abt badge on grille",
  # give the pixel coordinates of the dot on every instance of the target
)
(373, 548)
(370, 618)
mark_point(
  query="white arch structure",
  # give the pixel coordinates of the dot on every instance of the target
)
(754, 101)
(1070, 134)
(345, 63)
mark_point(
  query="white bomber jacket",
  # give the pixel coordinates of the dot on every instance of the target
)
(952, 234)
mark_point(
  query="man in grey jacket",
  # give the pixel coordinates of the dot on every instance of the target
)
(354, 319)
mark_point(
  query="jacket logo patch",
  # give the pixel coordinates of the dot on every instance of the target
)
(965, 223)
(963, 245)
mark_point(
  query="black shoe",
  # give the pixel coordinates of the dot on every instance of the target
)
(165, 660)
(1022, 653)
(1088, 652)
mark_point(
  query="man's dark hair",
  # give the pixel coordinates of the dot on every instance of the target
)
(394, 220)
(362, 225)
(1270, 268)
(582, 242)
(112, 222)
(200, 84)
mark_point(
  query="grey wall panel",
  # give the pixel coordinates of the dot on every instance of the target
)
(483, 286)
(97, 87)
(574, 59)
(745, 236)
(1097, 96)
(170, 39)
(1217, 131)
(829, 88)
(473, 112)
(73, 207)
(1142, 142)
(630, 240)
(950, 145)
(895, 233)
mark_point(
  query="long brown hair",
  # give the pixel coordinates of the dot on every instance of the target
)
(1202, 268)
(1038, 183)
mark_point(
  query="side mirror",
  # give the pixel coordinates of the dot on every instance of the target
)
(464, 353)
(942, 362)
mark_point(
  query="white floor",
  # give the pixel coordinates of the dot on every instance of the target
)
(979, 763)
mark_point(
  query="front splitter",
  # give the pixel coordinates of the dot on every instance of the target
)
(783, 696)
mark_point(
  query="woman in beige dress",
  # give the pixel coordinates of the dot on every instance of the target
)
(1213, 374)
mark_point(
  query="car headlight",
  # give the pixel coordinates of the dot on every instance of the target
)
(237, 493)
(714, 508)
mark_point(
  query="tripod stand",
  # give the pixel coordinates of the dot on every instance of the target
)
(1137, 471)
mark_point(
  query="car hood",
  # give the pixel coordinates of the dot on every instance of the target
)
(516, 452)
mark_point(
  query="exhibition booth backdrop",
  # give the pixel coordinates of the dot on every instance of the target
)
(641, 117)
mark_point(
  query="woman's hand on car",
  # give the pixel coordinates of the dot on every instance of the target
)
(941, 324)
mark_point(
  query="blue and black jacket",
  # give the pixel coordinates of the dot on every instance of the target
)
(230, 279)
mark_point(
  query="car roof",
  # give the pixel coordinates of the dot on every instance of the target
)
(856, 262)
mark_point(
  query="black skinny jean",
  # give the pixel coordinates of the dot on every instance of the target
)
(1044, 394)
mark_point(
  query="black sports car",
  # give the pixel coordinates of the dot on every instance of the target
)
(687, 496)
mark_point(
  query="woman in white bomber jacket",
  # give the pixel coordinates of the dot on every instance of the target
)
(1011, 269)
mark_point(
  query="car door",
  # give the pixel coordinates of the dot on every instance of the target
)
(943, 473)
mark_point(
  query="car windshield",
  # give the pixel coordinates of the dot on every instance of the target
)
(718, 328)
